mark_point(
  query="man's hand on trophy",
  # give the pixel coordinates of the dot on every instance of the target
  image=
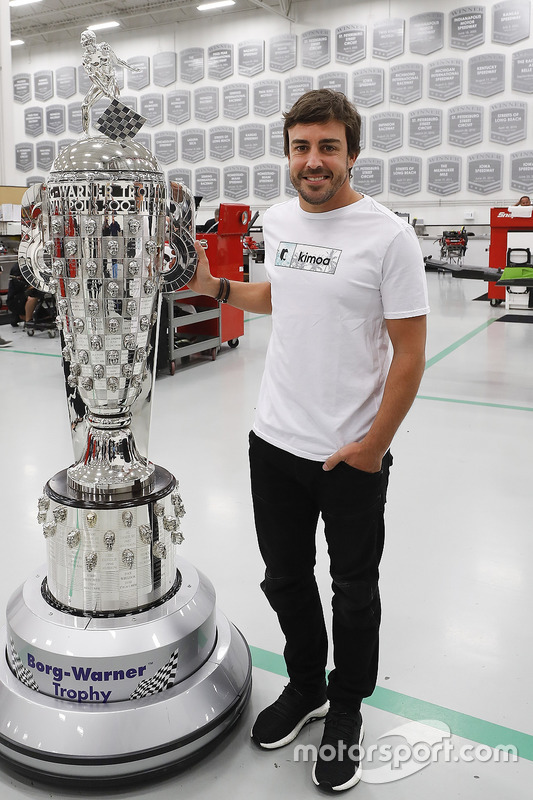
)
(203, 282)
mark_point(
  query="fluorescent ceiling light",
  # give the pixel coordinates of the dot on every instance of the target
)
(216, 4)
(15, 3)
(15, 42)
(100, 26)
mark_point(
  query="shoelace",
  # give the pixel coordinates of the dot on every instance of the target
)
(339, 726)
(284, 705)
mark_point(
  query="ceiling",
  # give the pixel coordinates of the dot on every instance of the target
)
(63, 20)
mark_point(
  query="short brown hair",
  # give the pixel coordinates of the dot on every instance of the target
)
(323, 105)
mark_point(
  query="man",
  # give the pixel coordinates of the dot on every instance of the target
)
(524, 201)
(346, 285)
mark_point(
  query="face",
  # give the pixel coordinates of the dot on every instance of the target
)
(525, 201)
(87, 38)
(319, 165)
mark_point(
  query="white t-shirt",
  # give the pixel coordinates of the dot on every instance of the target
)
(335, 277)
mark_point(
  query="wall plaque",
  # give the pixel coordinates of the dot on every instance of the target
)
(152, 109)
(220, 61)
(426, 32)
(350, 43)
(282, 52)
(166, 146)
(338, 81)
(24, 160)
(144, 138)
(192, 64)
(425, 128)
(22, 87)
(179, 106)
(368, 86)
(522, 171)
(75, 124)
(275, 139)
(510, 21)
(267, 98)
(508, 122)
(181, 176)
(522, 77)
(141, 79)
(251, 57)
(368, 175)
(316, 48)
(486, 74)
(386, 130)
(295, 87)
(445, 78)
(165, 68)
(45, 153)
(128, 100)
(444, 174)
(465, 125)
(267, 179)
(251, 140)
(405, 83)
(55, 119)
(206, 103)
(485, 172)
(467, 27)
(43, 85)
(405, 175)
(207, 183)
(235, 102)
(84, 82)
(388, 38)
(65, 81)
(193, 144)
(236, 182)
(221, 143)
(33, 121)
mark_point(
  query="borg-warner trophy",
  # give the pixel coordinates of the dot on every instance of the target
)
(118, 663)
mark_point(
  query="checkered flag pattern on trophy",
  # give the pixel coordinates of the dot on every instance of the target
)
(163, 679)
(119, 122)
(23, 674)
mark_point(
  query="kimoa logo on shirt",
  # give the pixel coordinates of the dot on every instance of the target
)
(307, 257)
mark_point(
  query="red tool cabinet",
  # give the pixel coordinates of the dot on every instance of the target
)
(501, 224)
(225, 253)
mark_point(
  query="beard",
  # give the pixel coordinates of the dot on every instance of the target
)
(319, 195)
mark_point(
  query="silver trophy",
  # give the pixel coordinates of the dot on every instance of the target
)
(116, 619)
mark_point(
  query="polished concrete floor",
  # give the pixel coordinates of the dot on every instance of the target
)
(457, 650)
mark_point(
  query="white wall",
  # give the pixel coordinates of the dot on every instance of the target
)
(446, 210)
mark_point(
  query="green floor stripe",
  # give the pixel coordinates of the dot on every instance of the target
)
(257, 316)
(472, 728)
(30, 353)
(474, 403)
(458, 343)
(270, 662)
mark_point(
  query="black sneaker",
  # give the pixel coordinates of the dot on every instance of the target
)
(281, 722)
(338, 765)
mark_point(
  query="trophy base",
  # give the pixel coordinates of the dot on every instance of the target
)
(59, 736)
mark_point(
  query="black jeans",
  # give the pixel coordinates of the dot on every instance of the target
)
(289, 493)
